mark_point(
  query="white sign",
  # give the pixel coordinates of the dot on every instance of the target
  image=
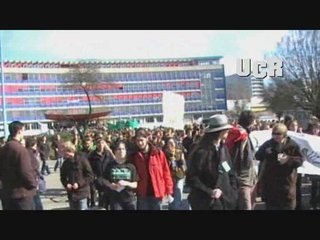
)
(173, 110)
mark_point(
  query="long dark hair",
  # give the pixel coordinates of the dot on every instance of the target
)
(205, 141)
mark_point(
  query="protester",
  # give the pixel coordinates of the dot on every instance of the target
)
(155, 180)
(76, 175)
(211, 175)
(280, 157)
(16, 172)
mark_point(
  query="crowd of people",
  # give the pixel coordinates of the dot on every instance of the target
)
(138, 169)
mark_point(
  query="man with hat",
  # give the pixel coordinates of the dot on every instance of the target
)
(210, 176)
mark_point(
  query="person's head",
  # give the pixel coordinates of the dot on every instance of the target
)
(158, 134)
(43, 138)
(189, 132)
(279, 132)
(313, 128)
(141, 138)
(16, 130)
(293, 125)
(31, 142)
(195, 131)
(121, 137)
(216, 128)
(58, 137)
(69, 149)
(246, 119)
(288, 119)
(120, 151)
(87, 143)
(100, 144)
(171, 144)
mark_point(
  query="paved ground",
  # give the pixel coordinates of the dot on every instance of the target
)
(55, 197)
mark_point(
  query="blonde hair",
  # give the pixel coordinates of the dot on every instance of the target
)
(69, 146)
(281, 128)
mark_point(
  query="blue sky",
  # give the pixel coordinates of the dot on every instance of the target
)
(62, 45)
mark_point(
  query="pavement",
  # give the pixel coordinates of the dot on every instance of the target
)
(55, 198)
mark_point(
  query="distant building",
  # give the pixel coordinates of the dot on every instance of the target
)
(257, 88)
(246, 91)
(33, 88)
(257, 91)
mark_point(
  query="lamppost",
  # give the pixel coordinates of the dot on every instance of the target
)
(4, 110)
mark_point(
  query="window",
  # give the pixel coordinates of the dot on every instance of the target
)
(149, 119)
(32, 101)
(206, 75)
(18, 77)
(219, 73)
(160, 119)
(7, 76)
(34, 88)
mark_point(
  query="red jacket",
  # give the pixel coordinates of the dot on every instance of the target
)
(159, 171)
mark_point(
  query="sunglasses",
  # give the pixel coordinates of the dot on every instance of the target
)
(277, 133)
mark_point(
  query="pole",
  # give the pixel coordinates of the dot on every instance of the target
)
(4, 110)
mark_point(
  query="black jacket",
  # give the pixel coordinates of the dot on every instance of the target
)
(99, 165)
(77, 170)
(206, 173)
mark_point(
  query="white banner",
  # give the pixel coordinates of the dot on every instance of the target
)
(173, 110)
(309, 146)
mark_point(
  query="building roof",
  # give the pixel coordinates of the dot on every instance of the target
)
(118, 61)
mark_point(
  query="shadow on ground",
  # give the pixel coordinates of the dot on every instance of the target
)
(56, 192)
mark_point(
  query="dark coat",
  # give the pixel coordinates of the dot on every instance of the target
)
(58, 149)
(77, 170)
(99, 165)
(16, 171)
(44, 150)
(205, 174)
(278, 182)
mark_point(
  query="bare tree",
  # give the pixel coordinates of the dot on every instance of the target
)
(300, 86)
(87, 78)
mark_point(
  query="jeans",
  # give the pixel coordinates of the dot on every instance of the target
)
(45, 167)
(79, 204)
(37, 202)
(118, 205)
(58, 163)
(93, 195)
(177, 195)
(148, 203)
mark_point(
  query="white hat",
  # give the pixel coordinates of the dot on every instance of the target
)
(216, 123)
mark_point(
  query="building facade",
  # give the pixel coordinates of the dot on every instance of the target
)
(257, 92)
(33, 88)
